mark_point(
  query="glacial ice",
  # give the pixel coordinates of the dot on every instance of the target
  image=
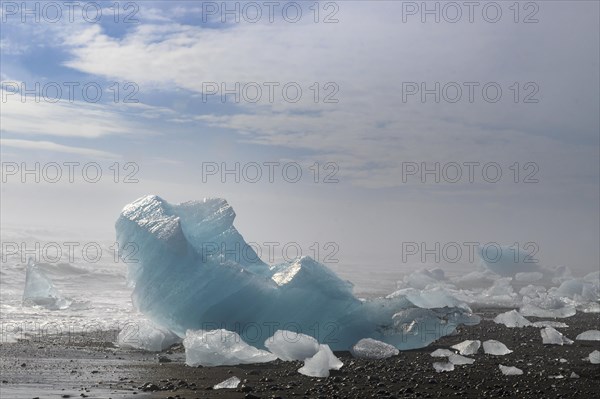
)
(591, 335)
(552, 337)
(594, 357)
(512, 319)
(468, 347)
(147, 336)
(40, 291)
(368, 348)
(443, 367)
(509, 370)
(321, 363)
(497, 348)
(221, 348)
(460, 360)
(441, 353)
(194, 271)
(230, 383)
(290, 345)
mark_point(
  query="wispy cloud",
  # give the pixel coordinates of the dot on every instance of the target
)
(48, 146)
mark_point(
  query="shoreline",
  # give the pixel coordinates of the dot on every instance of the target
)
(53, 367)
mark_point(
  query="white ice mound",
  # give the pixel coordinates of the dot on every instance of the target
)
(552, 337)
(591, 335)
(230, 383)
(509, 370)
(194, 271)
(368, 348)
(512, 319)
(40, 291)
(467, 347)
(320, 364)
(594, 357)
(443, 367)
(497, 348)
(147, 336)
(221, 348)
(290, 345)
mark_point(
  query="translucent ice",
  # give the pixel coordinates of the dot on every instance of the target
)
(40, 291)
(594, 357)
(221, 348)
(591, 335)
(509, 370)
(460, 360)
(512, 319)
(320, 364)
(467, 347)
(195, 271)
(147, 336)
(441, 353)
(230, 383)
(493, 347)
(550, 323)
(368, 348)
(552, 337)
(290, 345)
(443, 367)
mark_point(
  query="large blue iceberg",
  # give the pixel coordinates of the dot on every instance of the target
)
(193, 270)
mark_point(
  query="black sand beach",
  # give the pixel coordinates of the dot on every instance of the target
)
(90, 366)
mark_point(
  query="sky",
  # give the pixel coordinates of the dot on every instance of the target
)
(364, 127)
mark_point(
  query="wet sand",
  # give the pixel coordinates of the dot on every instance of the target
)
(57, 367)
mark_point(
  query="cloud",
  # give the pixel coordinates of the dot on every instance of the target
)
(54, 147)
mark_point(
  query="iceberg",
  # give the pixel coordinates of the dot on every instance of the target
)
(591, 335)
(368, 348)
(230, 383)
(320, 364)
(221, 348)
(147, 336)
(497, 348)
(512, 319)
(467, 347)
(289, 345)
(552, 337)
(509, 370)
(40, 291)
(194, 271)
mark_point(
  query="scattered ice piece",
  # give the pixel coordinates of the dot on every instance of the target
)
(512, 319)
(592, 307)
(147, 336)
(368, 348)
(320, 364)
(442, 367)
(594, 357)
(460, 360)
(574, 375)
(230, 383)
(558, 377)
(549, 323)
(493, 347)
(221, 348)
(591, 335)
(467, 347)
(509, 370)
(40, 291)
(552, 337)
(441, 353)
(563, 360)
(290, 345)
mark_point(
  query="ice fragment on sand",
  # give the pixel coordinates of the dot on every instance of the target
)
(493, 347)
(574, 375)
(460, 360)
(512, 319)
(441, 353)
(441, 367)
(591, 335)
(547, 323)
(467, 347)
(320, 364)
(509, 370)
(146, 335)
(552, 337)
(221, 348)
(594, 357)
(290, 345)
(230, 383)
(368, 348)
